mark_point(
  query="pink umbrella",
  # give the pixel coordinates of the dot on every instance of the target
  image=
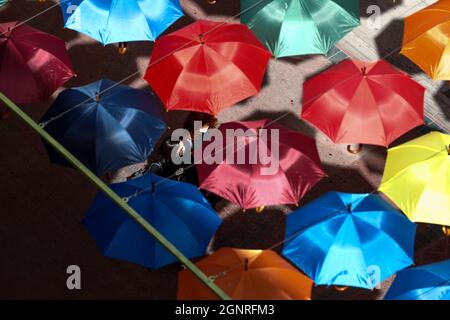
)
(246, 183)
(33, 63)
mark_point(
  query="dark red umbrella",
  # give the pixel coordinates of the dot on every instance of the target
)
(247, 185)
(207, 66)
(363, 102)
(33, 63)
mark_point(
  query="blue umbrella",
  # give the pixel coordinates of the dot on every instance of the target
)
(353, 240)
(429, 282)
(177, 210)
(105, 131)
(110, 21)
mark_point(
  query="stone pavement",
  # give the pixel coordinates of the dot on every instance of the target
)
(41, 204)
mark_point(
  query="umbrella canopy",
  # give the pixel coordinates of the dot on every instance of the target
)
(355, 240)
(429, 282)
(177, 210)
(33, 63)
(416, 178)
(121, 20)
(363, 102)
(105, 125)
(246, 275)
(426, 39)
(207, 66)
(298, 27)
(293, 159)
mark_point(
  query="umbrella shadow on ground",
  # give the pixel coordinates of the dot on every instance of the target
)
(389, 43)
(341, 179)
(442, 98)
(298, 60)
(288, 119)
(229, 8)
(384, 5)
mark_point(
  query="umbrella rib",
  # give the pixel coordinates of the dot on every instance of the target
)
(429, 181)
(374, 79)
(397, 245)
(155, 199)
(428, 30)
(401, 171)
(234, 64)
(33, 74)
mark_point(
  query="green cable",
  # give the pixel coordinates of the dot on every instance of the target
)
(116, 198)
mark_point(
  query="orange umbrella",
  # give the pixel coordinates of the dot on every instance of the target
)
(426, 39)
(246, 275)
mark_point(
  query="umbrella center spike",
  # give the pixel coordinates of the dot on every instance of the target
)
(8, 32)
(349, 208)
(448, 149)
(246, 264)
(201, 38)
(97, 97)
(364, 71)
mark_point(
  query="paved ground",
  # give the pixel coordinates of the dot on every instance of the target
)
(41, 204)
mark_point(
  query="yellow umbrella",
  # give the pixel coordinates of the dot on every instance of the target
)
(426, 39)
(417, 178)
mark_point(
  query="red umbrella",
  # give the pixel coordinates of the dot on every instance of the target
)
(33, 63)
(207, 66)
(363, 102)
(298, 168)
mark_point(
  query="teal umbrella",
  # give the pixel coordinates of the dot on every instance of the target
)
(298, 27)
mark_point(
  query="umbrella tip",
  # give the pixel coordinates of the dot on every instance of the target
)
(349, 208)
(364, 71)
(448, 149)
(8, 32)
(201, 38)
(97, 97)
(246, 264)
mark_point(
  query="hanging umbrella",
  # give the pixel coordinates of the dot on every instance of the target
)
(293, 161)
(429, 282)
(177, 210)
(33, 63)
(107, 126)
(121, 20)
(416, 178)
(298, 27)
(363, 102)
(207, 66)
(426, 39)
(246, 275)
(355, 240)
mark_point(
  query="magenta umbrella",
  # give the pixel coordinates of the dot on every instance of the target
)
(293, 157)
(33, 63)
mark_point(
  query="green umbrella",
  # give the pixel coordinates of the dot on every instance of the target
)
(297, 27)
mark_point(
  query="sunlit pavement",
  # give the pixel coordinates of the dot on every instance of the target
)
(41, 205)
